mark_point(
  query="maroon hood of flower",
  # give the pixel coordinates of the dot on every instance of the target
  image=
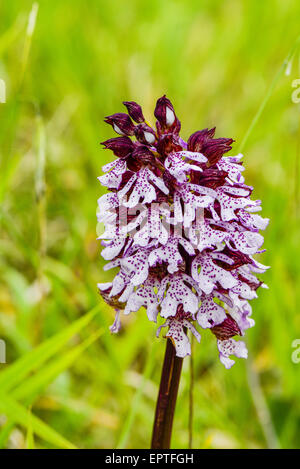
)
(211, 177)
(198, 139)
(227, 329)
(238, 259)
(121, 123)
(121, 146)
(143, 154)
(204, 142)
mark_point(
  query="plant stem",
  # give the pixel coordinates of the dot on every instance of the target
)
(166, 401)
(191, 395)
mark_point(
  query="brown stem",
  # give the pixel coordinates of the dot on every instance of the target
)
(191, 395)
(166, 401)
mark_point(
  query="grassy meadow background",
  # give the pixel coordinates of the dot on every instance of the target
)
(68, 382)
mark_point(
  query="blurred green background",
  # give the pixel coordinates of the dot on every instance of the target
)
(67, 381)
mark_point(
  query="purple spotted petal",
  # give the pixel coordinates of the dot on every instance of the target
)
(144, 296)
(143, 190)
(205, 237)
(174, 292)
(230, 204)
(210, 273)
(231, 166)
(113, 179)
(191, 203)
(136, 266)
(178, 336)
(178, 168)
(231, 347)
(169, 254)
(210, 313)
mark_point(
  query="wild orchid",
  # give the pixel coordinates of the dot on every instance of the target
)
(182, 229)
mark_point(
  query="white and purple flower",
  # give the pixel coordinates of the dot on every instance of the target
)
(181, 228)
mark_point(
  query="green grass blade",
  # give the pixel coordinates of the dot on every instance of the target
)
(19, 414)
(125, 433)
(28, 39)
(16, 373)
(5, 432)
(46, 375)
(30, 387)
(30, 437)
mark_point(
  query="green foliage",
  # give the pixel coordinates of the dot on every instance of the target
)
(68, 382)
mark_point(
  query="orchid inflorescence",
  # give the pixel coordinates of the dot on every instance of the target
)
(181, 228)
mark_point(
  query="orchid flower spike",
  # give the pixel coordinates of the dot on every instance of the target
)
(181, 228)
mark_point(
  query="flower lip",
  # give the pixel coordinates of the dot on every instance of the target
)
(135, 111)
(121, 123)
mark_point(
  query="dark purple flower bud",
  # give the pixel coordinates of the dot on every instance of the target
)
(145, 134)
(227, 329)
(164, 113)
(121, 146)
(121, 123)
(140, 156)
(135, 111)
